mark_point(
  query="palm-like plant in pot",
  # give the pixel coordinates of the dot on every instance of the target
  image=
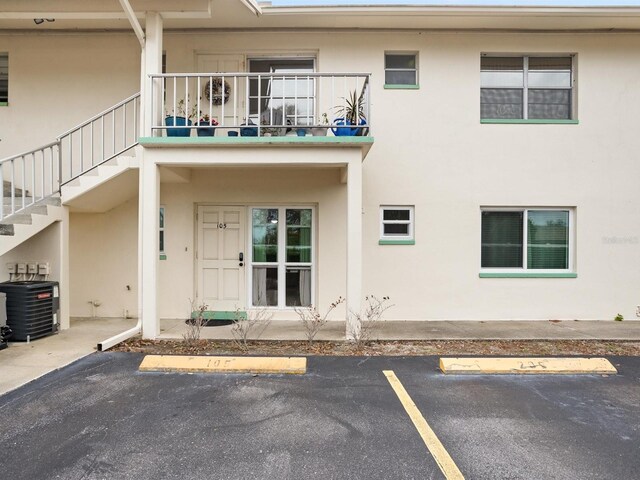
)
(351, 115)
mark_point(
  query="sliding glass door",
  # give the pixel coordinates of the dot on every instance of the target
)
(281, 256)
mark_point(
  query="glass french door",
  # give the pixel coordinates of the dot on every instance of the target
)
(281, 256)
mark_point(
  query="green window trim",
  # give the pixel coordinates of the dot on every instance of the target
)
(528, 275)
(4, 104)
(388, 86)
(396, 242)
(529, 121)
(163, 256)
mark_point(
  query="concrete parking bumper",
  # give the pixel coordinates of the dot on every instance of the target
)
(527, 365)
(221, 364)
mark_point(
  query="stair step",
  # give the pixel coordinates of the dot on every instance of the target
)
(21, 218)
(6, 189)
(7, 229)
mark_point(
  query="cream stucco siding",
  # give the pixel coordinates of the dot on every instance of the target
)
(430, 151)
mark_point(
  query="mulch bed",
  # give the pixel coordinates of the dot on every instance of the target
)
(390, 348)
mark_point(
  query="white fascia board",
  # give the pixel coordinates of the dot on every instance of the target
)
(410, 10)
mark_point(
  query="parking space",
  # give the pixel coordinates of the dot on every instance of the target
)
(101, 418)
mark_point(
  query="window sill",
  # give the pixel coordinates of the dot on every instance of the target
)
(163, 256)
(528, 275)
(396, 242)
(4, 104)
(529, 121)
(390, 86)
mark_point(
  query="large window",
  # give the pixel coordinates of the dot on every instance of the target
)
(282, 256)
(4, 78)
(282, 100)
(527, 239)
(526, 88)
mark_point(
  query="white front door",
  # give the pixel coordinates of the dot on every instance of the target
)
(235, 106)
(220, 257)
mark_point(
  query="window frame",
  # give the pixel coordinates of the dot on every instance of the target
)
(387, 239)
(282, 264)
(5, 102)
(400, 86)
(525, 89)
(571, 245)
(274, 59)
(162, 215)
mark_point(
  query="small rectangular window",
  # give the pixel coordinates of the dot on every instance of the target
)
(528, 87)
(4, 78)
(396, 223)
(401, 69)
(161, 230)
(527, 239)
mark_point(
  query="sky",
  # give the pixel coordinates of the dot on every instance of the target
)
(524, 3)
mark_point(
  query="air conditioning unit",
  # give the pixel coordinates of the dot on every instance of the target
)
(32, 309)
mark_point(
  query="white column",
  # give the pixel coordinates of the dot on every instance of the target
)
(354, 244)
(148, 255)
(152, 58)
(63, 281)
(149, 186)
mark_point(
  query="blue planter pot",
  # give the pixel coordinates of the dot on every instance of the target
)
(173, 130)
(247, 131)
(205, 130)
(346, 131)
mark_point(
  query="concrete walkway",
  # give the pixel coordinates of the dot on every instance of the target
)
(437, 330)
(23, 362)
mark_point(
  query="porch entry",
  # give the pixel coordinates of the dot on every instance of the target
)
(220, 257)
(207, 63)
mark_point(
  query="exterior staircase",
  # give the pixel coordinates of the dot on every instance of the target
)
(39, 184)
(34, 218)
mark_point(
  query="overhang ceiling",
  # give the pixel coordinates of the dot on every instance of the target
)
(235, 14)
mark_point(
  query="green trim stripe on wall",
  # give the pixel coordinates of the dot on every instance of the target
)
(396, 242)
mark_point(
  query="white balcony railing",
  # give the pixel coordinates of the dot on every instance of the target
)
(260, 104)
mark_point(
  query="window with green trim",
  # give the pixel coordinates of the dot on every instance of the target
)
(4, 77)
(536, 239)
(396, 223)
(401, 69)
(526, 87)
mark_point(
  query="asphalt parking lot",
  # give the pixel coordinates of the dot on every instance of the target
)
(102, 419)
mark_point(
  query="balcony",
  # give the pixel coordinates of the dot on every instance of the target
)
(260, 108)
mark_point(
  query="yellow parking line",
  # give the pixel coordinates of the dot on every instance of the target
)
(437, 450)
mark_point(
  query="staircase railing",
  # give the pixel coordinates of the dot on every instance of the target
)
(37, 170)
(30, 177)
(99, 139)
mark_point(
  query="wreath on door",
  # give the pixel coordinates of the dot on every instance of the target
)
(213, 91)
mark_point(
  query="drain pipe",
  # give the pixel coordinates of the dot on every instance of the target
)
(121, 337)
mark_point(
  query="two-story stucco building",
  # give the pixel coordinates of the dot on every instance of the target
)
(489, 170)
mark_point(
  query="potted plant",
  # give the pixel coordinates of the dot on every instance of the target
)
(321, 131)
(177, 119)
(351, 112)
(206, 126)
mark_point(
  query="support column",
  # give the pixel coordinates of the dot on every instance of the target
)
(148, 254)
(152, 58)
(63, 281)
(149, 183)
(354, 245)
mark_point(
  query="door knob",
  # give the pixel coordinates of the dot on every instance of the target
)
(241, 258)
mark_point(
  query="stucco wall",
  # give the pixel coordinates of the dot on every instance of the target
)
(430, 151)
